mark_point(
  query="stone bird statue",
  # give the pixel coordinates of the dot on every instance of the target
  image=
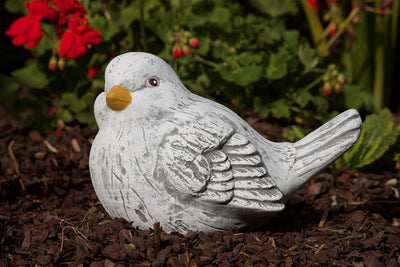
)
(165, 154)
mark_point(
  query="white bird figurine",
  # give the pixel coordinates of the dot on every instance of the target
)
(165, 154)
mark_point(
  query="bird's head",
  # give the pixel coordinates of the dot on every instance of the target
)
(136, 82)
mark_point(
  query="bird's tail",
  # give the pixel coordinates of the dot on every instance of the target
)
(323, 146)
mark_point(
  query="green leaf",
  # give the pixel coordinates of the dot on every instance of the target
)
(261, 107)
(376, 139)
(15, 6)
(291, 39)
(241, 76)
(356, 97)
(108, 28)
(204, 46)
(86, 117)
(220, 15)
(280, 109)
(308, 57)
(269, 36)
(72, 102)
(302, 97)
(31, 76)
(7, 87)
(274, 8)
(295, 133)
(277, 67)
(64, 115)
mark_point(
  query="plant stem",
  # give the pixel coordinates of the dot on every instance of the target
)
(316, 29)
(206, 62)
(314, 83)
(343, 26)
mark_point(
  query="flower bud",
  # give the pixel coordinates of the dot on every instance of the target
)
(194, 42)
(53, 63)
(92, 72)
(341, 79)
(332, 30)
(61, 64)
(177, 51)
(327, 89)
(338, 88)
(186, 50)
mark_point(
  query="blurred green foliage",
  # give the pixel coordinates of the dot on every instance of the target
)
(247, 56)
(251, 53)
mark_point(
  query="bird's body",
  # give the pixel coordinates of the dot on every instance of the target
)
(165, 154)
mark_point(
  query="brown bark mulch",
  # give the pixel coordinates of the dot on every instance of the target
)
(50, 215)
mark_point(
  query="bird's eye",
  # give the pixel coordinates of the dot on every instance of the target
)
(153, 81)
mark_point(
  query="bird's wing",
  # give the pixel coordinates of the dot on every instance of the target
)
(211, 162)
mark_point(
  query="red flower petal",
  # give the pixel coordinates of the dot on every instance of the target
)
(70, 7)
(25, 30)
(20, 26)
(71, 46)
(38, 9)
(314, 4)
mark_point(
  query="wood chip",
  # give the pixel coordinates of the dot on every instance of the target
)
(272, 241)
(75, 145)
(323, 219)
(50, 147)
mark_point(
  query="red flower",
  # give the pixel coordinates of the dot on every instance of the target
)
(77, 37)
(194, 42)
(93, 71)
(177, 52)
(25, 30)
(48, 11)
(314, 4)
(68, 8)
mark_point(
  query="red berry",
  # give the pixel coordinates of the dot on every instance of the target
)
(57, 132)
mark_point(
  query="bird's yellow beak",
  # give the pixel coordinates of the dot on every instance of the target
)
(118, 98)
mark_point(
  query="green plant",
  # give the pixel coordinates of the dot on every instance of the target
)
(294, 133)
(243, 54)
(364, 35)
(377, 144)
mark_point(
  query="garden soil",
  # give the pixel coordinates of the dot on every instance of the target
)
(50, 214)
